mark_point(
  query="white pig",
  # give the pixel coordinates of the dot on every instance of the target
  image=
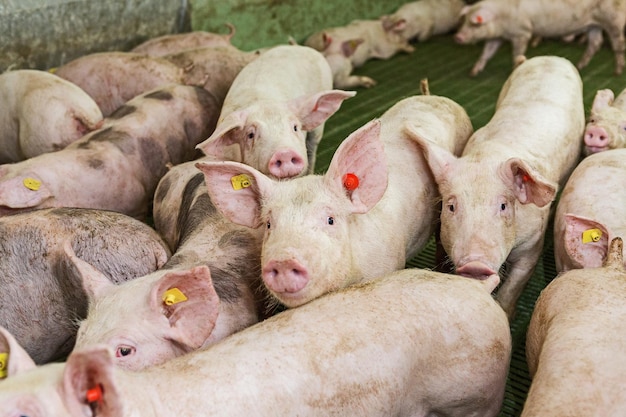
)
(178, 42)
(606, 128)
(497, 195)
(42, 113)
(358, 42)
(576, 341)
(591, 211)
(216, 267)
(416, 343)
(519, 20)
(274, 113)
(118, 166)
(419, 20)
(375, 207)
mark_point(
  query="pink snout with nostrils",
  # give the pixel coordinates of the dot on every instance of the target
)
(288, 276)
(596, 139)
(476, 270)
(286, 163)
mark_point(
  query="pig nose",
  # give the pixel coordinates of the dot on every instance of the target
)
(286, 164)
(285, 276)
(458, 38)
(596, 137)
(476, 270)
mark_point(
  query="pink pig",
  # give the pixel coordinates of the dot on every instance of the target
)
(375, 207)
(175, 43)
(497, 195)
(606, 128)
(414, 343)
(591, 211)
(274, 113)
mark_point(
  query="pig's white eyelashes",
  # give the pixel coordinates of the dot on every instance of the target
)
(124, 350)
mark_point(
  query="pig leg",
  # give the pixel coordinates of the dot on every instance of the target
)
(616, 36)
(594, 42)
(520, 271)
(519, 45)
(491, 47)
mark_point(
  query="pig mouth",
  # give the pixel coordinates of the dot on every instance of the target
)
(596, 149)
(475, 270)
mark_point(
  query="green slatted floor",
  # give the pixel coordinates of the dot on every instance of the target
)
(446, 65)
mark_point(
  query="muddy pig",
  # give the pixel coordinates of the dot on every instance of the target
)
(274, 113)
(213, 277)
(576, 340)
(375, 207)
(414, 343)
(519, 20)
(497, 195)
(118, 166)
(591, 211)
(42, 297)
(606, 128)
(42, 113)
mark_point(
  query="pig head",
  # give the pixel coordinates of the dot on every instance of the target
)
(606, 128)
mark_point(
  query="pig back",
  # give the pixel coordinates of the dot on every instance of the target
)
(574, 342)
(539, 118)
(42, 297)
(596, 190)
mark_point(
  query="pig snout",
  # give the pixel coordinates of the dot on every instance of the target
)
(286, 164)
(460, 38)
(285, 276)
(476, 270)
(596, 139)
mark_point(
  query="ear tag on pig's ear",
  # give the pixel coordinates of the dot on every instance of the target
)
(94, 395)
(4, 365)
(31, 184)
(173, 296)
(592, 235)
(478, 19)
(350, 181)
(240, 181)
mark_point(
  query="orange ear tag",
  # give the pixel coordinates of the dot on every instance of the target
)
(350, 181)
(479, 19)
(94, 395)
(526, 178)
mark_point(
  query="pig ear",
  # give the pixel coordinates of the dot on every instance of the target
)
(481, 16)
(327, 40)
(348, 48)
(586, 240)
(313, 110)
(465, 10)
(527, 184)
(439, 160)
(225, 134)
(13, 357)
(236, 190)
(95, 283)
(604, 98)
(396, 25)
(88, 381)
(359, 167)
(23, 192)
(190, 303)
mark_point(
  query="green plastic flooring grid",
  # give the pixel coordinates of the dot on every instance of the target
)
(446, 65)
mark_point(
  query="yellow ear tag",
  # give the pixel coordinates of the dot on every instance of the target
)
(592, 235)
(173, 296)
(240, 181)
(4, 365)
(31, 184)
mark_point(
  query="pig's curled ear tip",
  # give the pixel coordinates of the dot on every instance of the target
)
(519, 60)
(425, 90)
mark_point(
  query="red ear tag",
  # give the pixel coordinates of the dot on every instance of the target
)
(526, 178)
(479, 19)
(94, 395)
(350, 181)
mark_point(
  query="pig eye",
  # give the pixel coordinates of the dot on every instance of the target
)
(124, 350)
(251, 135)
(502, 206)
(268, 224)
(295, 128)
(330, 221)
(451, 208)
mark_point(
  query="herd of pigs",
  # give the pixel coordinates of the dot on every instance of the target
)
(266, 290)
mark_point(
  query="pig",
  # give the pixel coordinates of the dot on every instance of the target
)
(358, 42)
(274, 113)
(42, 295)
(375, 207)
(422, 19)
(518, 20)
(496, 197)
(216, 267)
(414, 343)
(175, 43)
(212, 68)
(113, 78)
(576, 340)
(118, 166)
(42, 113)
(591, 211)
(606, 128)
